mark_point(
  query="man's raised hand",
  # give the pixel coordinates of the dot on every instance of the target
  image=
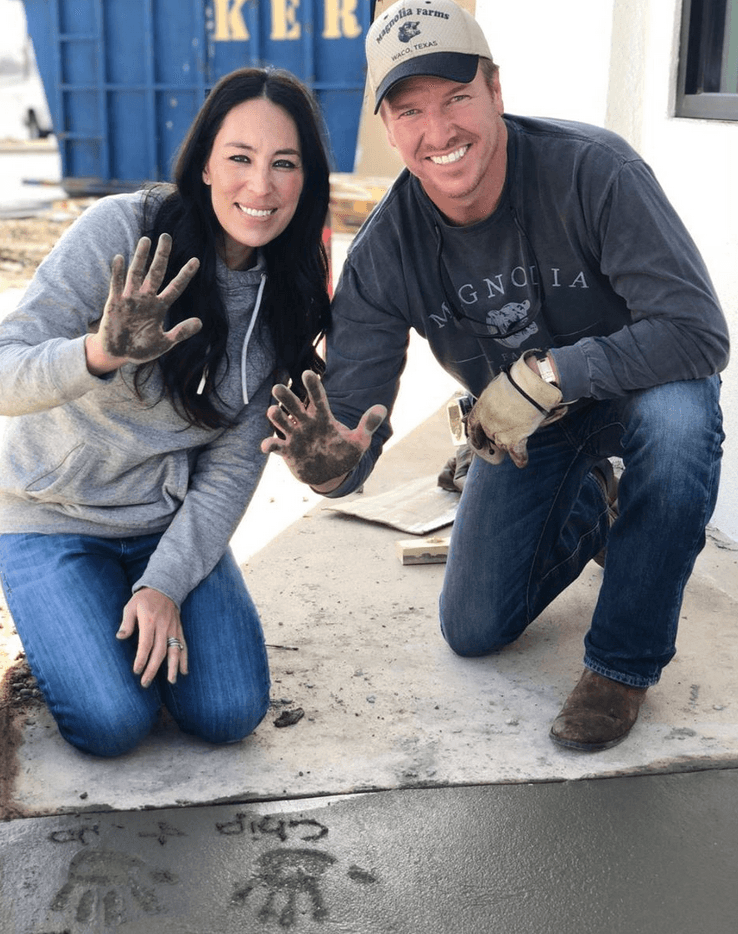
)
(317, 448)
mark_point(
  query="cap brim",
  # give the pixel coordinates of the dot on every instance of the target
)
(454, 66)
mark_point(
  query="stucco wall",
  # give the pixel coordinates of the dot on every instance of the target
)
(614, 63)
(553, 57)
(695, 161)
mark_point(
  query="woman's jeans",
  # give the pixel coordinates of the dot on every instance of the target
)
(66, 594)
(522, 536)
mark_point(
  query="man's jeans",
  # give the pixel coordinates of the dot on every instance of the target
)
(522, 536)
(66, 594)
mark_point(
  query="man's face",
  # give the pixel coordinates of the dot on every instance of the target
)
(453, 138)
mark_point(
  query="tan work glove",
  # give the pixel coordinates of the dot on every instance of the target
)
(453, 475)
(514, 405)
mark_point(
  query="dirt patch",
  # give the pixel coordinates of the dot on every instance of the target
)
(25, 241)
(19, 691)
(19, 696)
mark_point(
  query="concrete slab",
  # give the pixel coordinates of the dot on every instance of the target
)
(354, 643)
(652, 854)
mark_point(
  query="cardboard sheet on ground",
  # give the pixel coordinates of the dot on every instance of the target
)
(418, 507)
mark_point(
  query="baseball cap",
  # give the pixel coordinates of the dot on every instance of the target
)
(423, 37)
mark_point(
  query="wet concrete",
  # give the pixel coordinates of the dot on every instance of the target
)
(653, 854)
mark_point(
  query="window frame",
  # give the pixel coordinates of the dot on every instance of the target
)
(700, 62)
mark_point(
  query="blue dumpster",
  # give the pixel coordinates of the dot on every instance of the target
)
(124, 78)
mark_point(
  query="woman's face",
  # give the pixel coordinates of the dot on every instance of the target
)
(255, 176)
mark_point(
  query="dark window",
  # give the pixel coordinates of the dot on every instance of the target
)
(708, 66)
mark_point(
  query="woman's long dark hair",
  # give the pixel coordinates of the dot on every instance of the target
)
(295, 303)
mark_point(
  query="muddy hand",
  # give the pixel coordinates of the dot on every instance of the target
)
(316, 447)
(132, 325)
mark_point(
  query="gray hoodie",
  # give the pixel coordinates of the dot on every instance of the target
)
(82, 454)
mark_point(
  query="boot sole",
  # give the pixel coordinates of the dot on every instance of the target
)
(586, 747)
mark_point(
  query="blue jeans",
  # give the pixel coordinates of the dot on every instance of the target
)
(66, 594)
(522, 536)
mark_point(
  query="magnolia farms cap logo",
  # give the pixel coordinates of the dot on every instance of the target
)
(408, 31)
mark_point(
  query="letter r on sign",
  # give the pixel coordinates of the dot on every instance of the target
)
(340, 20)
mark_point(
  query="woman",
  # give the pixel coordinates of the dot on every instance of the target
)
(133, 450)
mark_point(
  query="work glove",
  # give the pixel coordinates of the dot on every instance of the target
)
(514, 405)
(453, 475)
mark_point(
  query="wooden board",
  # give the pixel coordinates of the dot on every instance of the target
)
(433, 550)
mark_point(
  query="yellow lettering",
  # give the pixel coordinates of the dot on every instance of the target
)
(340, 20)
(229, 22)
(284, 19)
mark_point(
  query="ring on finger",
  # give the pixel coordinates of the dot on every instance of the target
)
(173, 643)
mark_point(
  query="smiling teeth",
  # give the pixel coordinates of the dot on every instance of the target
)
(252, 212)
(451, 157)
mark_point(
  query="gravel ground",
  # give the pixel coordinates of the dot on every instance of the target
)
(24, 242)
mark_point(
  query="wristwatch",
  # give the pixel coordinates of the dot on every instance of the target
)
(545, 370)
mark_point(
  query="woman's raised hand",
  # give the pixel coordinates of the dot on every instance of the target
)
(132, 326)
(317, 448)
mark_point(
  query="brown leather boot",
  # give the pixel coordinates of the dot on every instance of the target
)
(597, 714)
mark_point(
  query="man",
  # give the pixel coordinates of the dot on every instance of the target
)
(551, 276)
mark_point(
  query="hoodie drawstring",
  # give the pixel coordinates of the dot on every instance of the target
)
(249, 332)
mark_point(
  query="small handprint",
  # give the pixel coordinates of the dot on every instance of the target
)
(105, 882)
(288, 877)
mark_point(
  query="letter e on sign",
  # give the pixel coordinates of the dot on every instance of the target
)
(284, 20)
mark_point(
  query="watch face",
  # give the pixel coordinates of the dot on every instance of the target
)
(546, 370)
